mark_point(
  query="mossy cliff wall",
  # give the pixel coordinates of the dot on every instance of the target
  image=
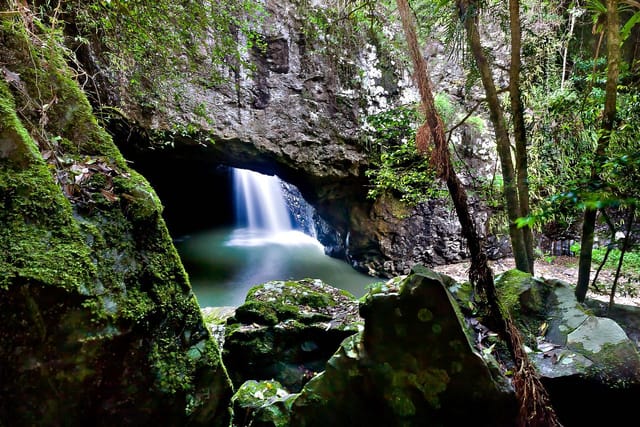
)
(98, 323)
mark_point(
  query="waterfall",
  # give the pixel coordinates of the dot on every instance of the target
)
(262, 214)
(259, 201)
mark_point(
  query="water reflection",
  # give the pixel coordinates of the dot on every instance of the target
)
(223, 264)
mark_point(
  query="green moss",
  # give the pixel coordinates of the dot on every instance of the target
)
(509, 286)
(401, 384)
(376, 288)
(41, 240)
(99, 278)
(262, 403)
(425, 315)
(255, 393)
(261, 307)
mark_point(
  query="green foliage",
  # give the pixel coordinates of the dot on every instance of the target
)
(396, 166)
(167, 39)
(445, 108)
(565, 127)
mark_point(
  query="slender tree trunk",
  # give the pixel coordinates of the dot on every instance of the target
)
(565, 53)
(625, 248)
(467, 10)
(612, 239)
(535, 409)
(519, 132)
(608, 123)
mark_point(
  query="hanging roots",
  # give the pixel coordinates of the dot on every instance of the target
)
(423, 139)
(535, 406)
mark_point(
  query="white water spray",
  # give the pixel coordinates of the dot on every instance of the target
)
(259, 202)
(262, 212)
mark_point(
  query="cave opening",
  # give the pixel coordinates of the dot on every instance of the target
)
(223, 256)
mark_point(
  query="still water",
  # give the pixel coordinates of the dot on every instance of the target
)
(223, 264)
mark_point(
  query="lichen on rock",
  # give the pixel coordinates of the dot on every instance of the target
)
(412, 364)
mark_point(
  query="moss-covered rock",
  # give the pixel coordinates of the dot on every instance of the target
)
(575, 352)
(95, 305)
(287, 331)
(262, 404)
(412, 365)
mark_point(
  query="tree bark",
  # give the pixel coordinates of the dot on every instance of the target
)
(467, 11)
(519, 132)
(535, 408)
(608, 124)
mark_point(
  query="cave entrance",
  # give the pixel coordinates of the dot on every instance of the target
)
(230, 241)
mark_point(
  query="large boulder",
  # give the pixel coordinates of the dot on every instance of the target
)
(413, 364)
(287, 331)
(98, 321)
(582, 359)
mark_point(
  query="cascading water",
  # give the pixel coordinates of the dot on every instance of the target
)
(259, 202)
(264, 245)
(262, 215)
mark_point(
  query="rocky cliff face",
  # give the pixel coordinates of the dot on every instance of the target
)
(294, 108)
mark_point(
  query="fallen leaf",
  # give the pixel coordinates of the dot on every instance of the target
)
(542, 330)
(10, 76)
(109, 195)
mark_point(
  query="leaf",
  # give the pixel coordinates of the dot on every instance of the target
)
(542, 330)
(109, 195)
(527, 221)
(625, 32)
(10, 76)
(546, 346)
(488, 350)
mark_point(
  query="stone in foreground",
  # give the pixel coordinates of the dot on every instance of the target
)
(287, 331)
(412, 365)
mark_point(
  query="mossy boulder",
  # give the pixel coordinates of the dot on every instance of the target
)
(262, 404)
(565, 337)
(99, 323)
(412, 365)
(576, 353)
(287, 331)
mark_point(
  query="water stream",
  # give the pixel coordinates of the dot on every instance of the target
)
(224, 263)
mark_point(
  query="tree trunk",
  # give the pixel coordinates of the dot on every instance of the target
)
(535, 409)
(625, 248)
(608, 123)
(468, 17)
(519, 132)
